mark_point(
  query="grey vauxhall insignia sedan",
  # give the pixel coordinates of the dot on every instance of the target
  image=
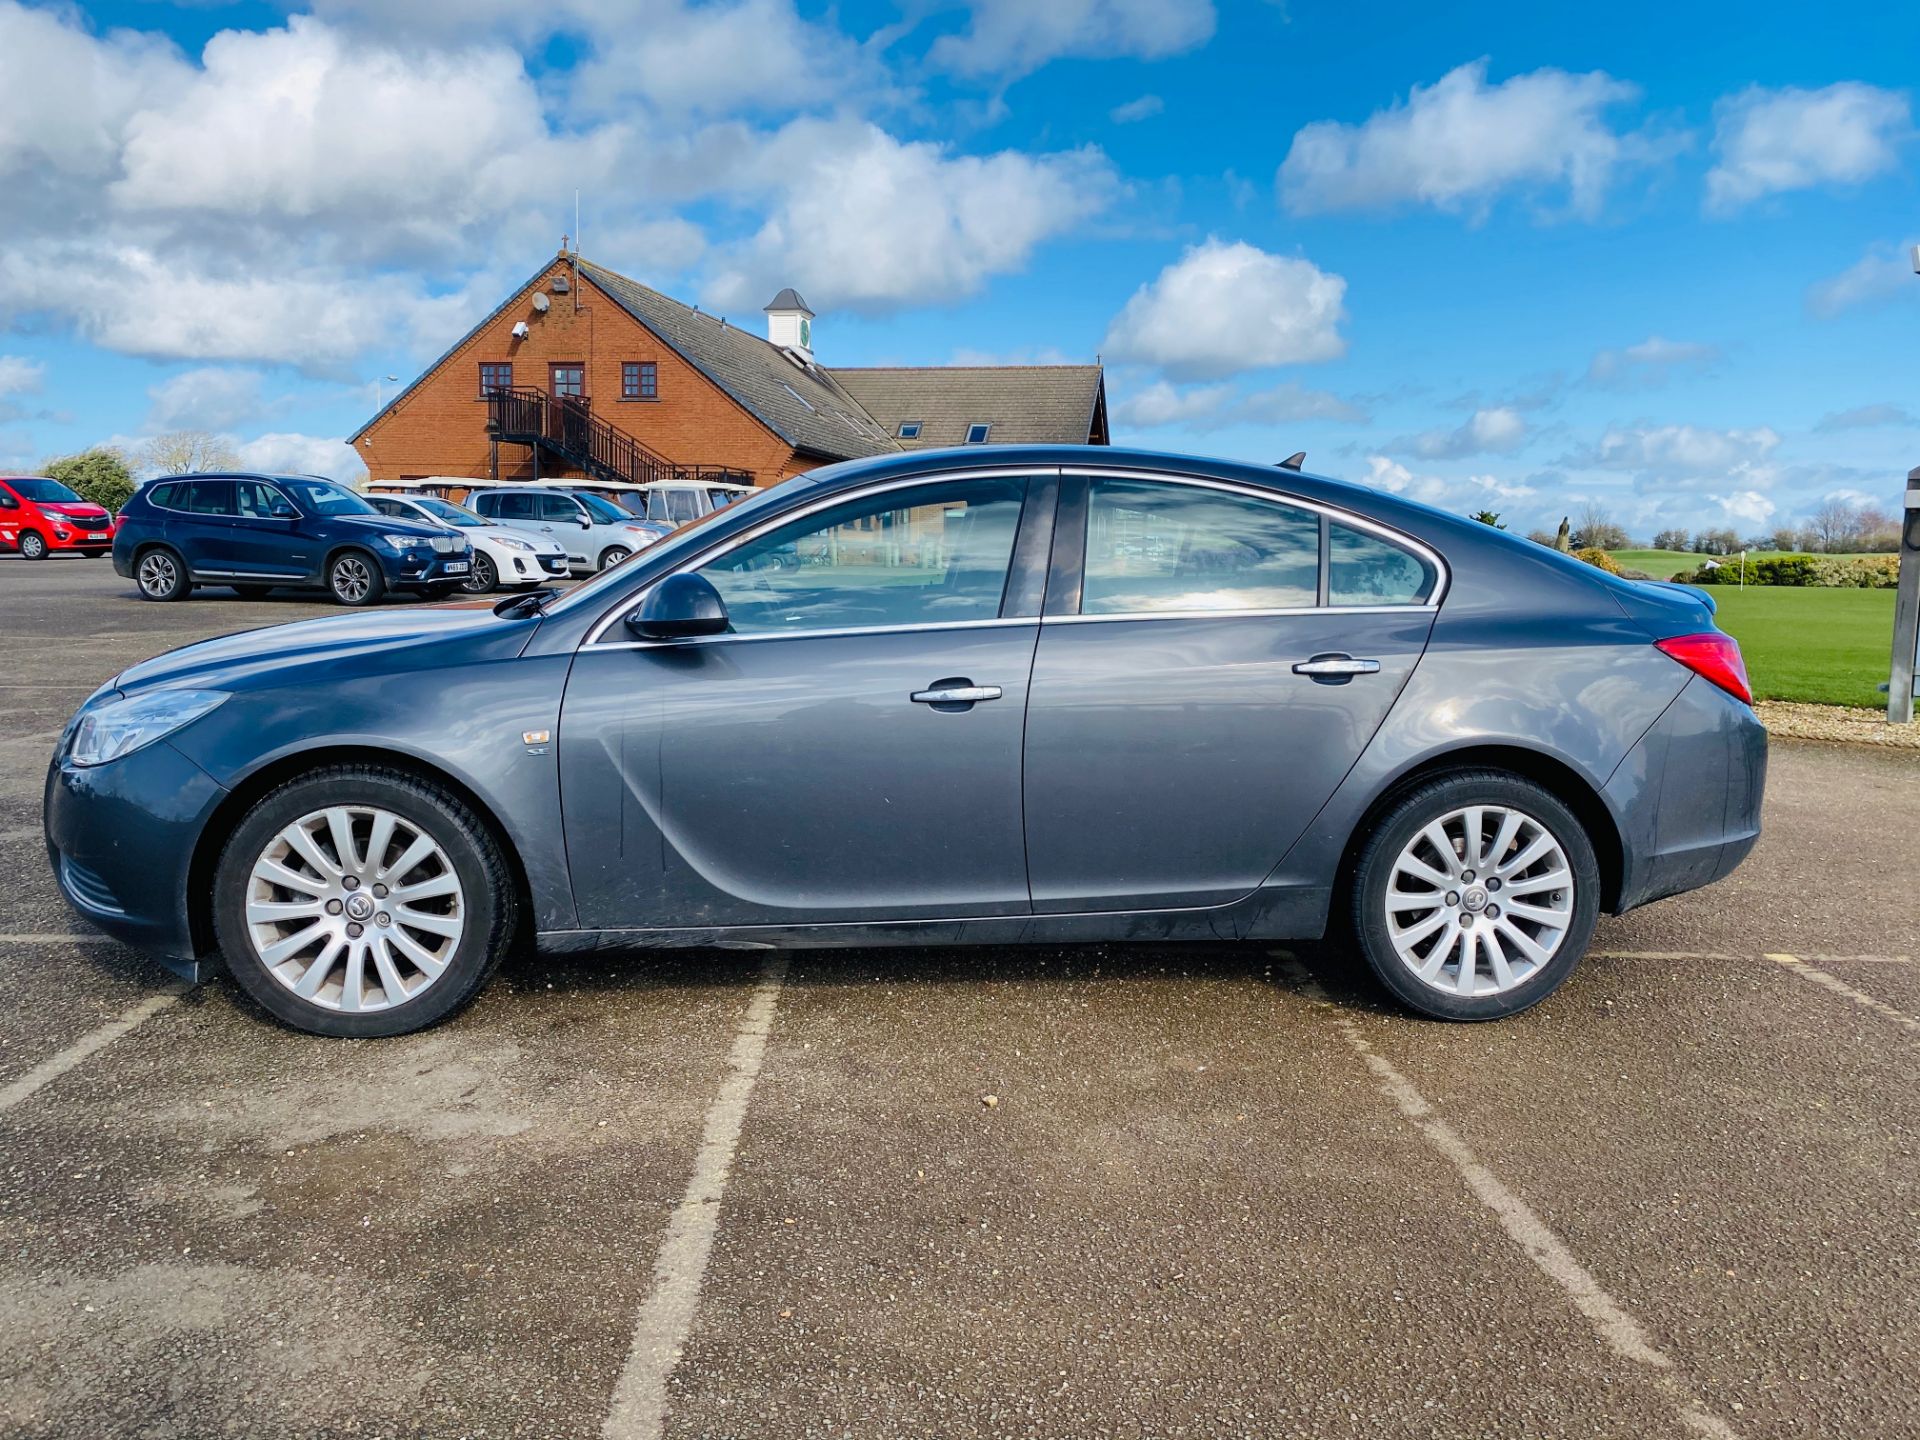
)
(1044, 694)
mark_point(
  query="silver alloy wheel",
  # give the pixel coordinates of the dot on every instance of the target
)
(1480, 900)
(354, 908)
(612, 556)
(158, 574)
(351, 579)
(32, 547)
(481, 578)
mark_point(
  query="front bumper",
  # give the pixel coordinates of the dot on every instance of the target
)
(420, 570)
(64, 534)
(121, 837)
(1689, 794)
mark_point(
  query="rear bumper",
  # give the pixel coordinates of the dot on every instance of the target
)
(1688, 796)
(121, 837)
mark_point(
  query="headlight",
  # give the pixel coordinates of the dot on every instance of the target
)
(119, 727)
(405, 542)
(513, 544)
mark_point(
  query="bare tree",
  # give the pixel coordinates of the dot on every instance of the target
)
(1675, 539)
(1596, 530)
(187, 452)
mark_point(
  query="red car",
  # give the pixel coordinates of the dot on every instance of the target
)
(39, 516)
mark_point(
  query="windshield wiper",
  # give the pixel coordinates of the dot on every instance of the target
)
(527, 602)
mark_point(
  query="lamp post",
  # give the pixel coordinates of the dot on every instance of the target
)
(1906, 608)
(380, 391)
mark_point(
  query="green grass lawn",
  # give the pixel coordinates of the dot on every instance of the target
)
(1810, 643)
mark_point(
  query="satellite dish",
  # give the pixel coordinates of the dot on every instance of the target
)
(1293, 461)
(520, 330)
(540, 304)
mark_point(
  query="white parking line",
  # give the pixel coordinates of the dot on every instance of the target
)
(639, 1407)
(54, 1066)
(1838, 986)
(1730, 955)
(1617, 1329)
(54, 939)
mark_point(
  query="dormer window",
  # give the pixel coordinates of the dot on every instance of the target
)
(909, 429)
(977, 432)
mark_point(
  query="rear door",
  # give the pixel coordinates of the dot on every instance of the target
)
(1213, 660)
(204, 534)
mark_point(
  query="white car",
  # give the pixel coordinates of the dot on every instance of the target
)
(595, 532)
(504, 557)
(680, 502)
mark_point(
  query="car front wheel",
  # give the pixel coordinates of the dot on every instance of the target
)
(613, 555)
(1475, 896)
(482, 578)
(162, 575)
(33, 545)
(355, 579)
(362, 902)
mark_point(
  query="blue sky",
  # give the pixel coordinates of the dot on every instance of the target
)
(1522, 257)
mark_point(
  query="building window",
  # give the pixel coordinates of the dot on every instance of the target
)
(495, 375)
(977, 433)
(569, 379)
(909, 429)
(639, 380)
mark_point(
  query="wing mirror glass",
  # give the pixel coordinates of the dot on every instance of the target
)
(681, 607)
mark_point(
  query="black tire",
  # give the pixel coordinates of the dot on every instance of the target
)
(613, 555)
(252, 592)
(1410, 814)
(354, 578)
(482, 578)
(94, 554)
(488, 898)
(161, 574)
(33, 545)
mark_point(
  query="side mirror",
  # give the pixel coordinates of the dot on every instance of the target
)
(681, 607)
(285, 512)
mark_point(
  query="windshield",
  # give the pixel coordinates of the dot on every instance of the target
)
(36, 489)
(323, 497)
(681, 539)
(451, 513)
(601, 511)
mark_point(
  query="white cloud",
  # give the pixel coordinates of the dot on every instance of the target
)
(1225, 307)
(862, 220)
(19, 375)
(1884, 272)
(1458, 143)
(294, 454)
(65, 96)
(1650, 363)
(1744, 509)
(208, 398)
(1464, 493)
(1865, 417)
(1162, 404)
(1769, 141)
(1675, 451)
(1499, 430)
(1145, 108)
(1016, 37)
(1205, 408)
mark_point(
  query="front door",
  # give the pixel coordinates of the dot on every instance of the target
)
(267, 536)
(1204, 680)
(850, 751)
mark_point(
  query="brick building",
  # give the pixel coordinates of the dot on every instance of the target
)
(583, 372)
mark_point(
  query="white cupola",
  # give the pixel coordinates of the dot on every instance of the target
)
(790, 323)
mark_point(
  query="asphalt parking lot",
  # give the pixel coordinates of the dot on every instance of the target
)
(1099, 1191)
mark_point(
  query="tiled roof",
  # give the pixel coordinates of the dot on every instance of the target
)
(1024, 404)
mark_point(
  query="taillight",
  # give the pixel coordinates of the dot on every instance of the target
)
(1712, 656)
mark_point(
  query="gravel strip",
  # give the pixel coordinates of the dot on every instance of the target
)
(1791, 720)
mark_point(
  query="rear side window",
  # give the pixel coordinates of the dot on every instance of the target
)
(210, 497)
(1363, 569)
(509, 507)
(1154, 547)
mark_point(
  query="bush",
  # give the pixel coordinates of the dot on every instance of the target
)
(1634, 575)
(1598, 558)
(1857, 572)
(100, 475)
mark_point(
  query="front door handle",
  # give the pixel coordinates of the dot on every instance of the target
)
(959, 694)
(1336, 669)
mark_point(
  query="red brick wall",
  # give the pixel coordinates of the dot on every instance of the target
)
(441, 427)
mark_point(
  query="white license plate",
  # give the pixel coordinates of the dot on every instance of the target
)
(96, 534)
(457, 567)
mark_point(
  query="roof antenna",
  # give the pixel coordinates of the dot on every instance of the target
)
(1293, 461)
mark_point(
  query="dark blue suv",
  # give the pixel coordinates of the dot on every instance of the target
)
(255, 532)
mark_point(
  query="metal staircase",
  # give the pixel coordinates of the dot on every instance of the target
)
(564, 426)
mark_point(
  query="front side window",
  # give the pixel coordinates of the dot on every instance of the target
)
(923, 555)
(603, 510)
(1363, 569)
(495, 375)
(559, 507)
(1156, 547)
(639, 380)
(255, 501)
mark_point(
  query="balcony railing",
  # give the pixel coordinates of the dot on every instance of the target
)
(567, 426)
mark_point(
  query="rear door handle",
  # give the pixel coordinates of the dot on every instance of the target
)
(955, 694)
(1336, 668)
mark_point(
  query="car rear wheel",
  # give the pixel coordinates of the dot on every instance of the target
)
(161, 575)
(1475, 896)
(355, 579)
(613, 555)
(33, 545)
(482, 578)
(362, 902)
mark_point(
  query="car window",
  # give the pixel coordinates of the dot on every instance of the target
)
(682, 507)
(386, 506)
(323, 497)
(603, 511)
(559, 507)
(39, 489)
(1363, 569)
(924, 555)
(450, 513)
(509, 506)
(210, 497)
(256, 501)
(1154, 546)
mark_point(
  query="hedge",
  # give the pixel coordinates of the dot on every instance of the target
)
(1841, 572)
